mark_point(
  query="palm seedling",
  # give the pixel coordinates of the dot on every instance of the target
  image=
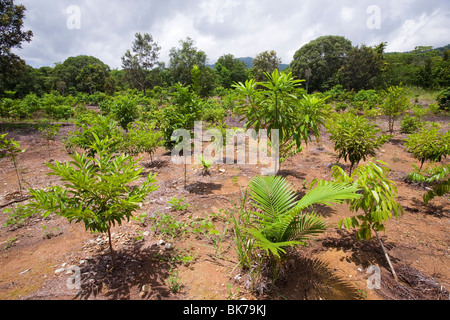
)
(278, 219)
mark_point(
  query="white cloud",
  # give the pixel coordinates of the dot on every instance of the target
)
(239, 27)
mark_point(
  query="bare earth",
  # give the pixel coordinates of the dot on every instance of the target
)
(334, 266)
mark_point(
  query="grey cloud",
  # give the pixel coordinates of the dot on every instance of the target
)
(240, 27)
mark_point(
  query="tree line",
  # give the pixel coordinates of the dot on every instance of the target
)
(323, 63)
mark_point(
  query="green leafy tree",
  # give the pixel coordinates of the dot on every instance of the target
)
(354, 138)
(89, 126)
(182, 61)
(141, 60)
(50, 132)
(265, 62)
(395, 104)
(125, 110)
(313, 116)
(97, 191)
(92, 79)
(437, 176)
(71, 73)
(11, 36)
(429, 144)
(142, 137)
(11, 149)
(230, 70)
(273, 108)
(363, 68)
(323, 58)
(378, 201)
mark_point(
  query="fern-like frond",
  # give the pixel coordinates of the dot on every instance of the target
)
(273, 195)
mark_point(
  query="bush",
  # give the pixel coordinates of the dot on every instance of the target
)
(125, 110)
(354, 137)
(395, 104)
(410, 124)
(429, 144)
(444, 99)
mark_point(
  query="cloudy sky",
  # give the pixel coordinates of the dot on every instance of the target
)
(105, 28)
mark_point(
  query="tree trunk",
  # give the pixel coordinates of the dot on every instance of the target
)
(18, 178)
(111, 249)
(387, 256)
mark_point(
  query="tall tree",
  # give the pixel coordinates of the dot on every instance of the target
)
(323, 57)
(142, 59)
(265, 62)
(363, 68)
(11, 36)
(75, 71)
(235, 68)
(183, 60)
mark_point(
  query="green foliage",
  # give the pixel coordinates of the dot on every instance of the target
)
(410, 124)
(265, 63)
(88, 126)
(378, 201)
(444, 99)
(178, 204)
(323, 56)
(206, 165)
(142, 137)
(9, 148)
(138, 62)
(429, 144)
(354, 138)
(274, 108)
(50, 132)
(125, 110)
(363, 68)
(313, 114)
(279, 221)
(437, 176)
(97, 191)
(395, 104)
(184, 110)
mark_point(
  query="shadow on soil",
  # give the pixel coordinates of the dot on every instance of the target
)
(134, 269)
(314, 279)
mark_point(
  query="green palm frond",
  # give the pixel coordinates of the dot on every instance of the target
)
(283, 222)
(273, 195)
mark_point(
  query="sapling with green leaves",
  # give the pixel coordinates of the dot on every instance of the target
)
(50, 132)
(206, 165)
(273, 108)
(355, 139)
(378, 202)
(97, 191)
(142, 137)
(429, 144)
(437, 177)
(10, 148)
(395, 104)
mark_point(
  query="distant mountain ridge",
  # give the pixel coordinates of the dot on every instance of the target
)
(249, 63)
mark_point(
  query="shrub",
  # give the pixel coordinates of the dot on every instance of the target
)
(354, 138)
(410, 124)
(444, 99)
(97, 190)
(378, 201)
(395, 104)
(429, 144)
(125, 110)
